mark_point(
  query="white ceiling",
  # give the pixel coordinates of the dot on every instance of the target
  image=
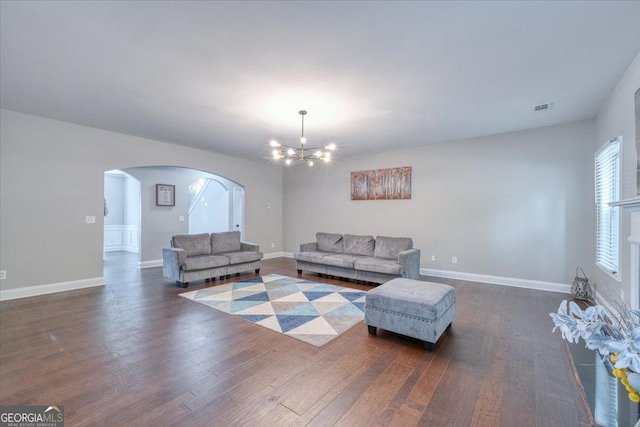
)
(229, 76)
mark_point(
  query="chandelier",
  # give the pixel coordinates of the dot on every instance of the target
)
(304, 154)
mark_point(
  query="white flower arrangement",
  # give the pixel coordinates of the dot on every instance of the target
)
(617, 338)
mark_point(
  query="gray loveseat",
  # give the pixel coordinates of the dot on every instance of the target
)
(362, 258)
(205, 256)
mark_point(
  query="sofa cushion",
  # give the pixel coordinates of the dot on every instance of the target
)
(193, 244)
(379, 265)
(227, 241)
(240, 257)
(203, 262)
(390, 247)
(315, 256)
(359, 245)
(329, 242)
(341, 260)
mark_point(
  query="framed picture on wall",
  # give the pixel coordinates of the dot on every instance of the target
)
(381, 184)
(165, 195)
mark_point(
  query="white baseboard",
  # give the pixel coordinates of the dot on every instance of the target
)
(499, 280)
(121, 248)
(483, 278)
(273, 255)
(610, 309)
(149, 264)
(278, 255)
(32, 291)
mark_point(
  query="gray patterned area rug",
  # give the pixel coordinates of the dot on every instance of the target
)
(312, 312)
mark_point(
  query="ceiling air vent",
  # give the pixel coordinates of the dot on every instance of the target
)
(542, 107)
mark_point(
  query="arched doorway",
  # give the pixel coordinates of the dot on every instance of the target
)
(157, 223)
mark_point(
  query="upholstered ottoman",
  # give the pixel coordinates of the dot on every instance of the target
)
(421, 310)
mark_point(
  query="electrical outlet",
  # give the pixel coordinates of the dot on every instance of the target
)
(91, 219)
(454, 260)
(180, 218)
(3, 274)
(433, 258)
(273, 245)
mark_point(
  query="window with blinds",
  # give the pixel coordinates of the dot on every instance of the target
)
(607, 185)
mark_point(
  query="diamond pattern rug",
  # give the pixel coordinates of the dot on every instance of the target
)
(309, 311)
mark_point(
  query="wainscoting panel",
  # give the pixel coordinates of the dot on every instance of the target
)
(121, 238)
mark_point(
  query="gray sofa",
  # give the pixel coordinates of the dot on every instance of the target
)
(205, 256)
(362, 258)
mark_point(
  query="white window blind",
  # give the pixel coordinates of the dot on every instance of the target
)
(607, 185)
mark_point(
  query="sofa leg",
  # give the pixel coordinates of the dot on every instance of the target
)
(432, 347)
(257, 271)
(183, 284)
(228, 276)
(299, 272)
(372, 329)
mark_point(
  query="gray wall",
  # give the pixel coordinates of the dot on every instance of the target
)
(516, 205)
(159, 223)
(52, 176)
(617, 118)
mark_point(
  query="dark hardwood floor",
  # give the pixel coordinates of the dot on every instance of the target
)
(134, 353)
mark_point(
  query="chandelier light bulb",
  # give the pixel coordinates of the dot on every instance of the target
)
(309, 155)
